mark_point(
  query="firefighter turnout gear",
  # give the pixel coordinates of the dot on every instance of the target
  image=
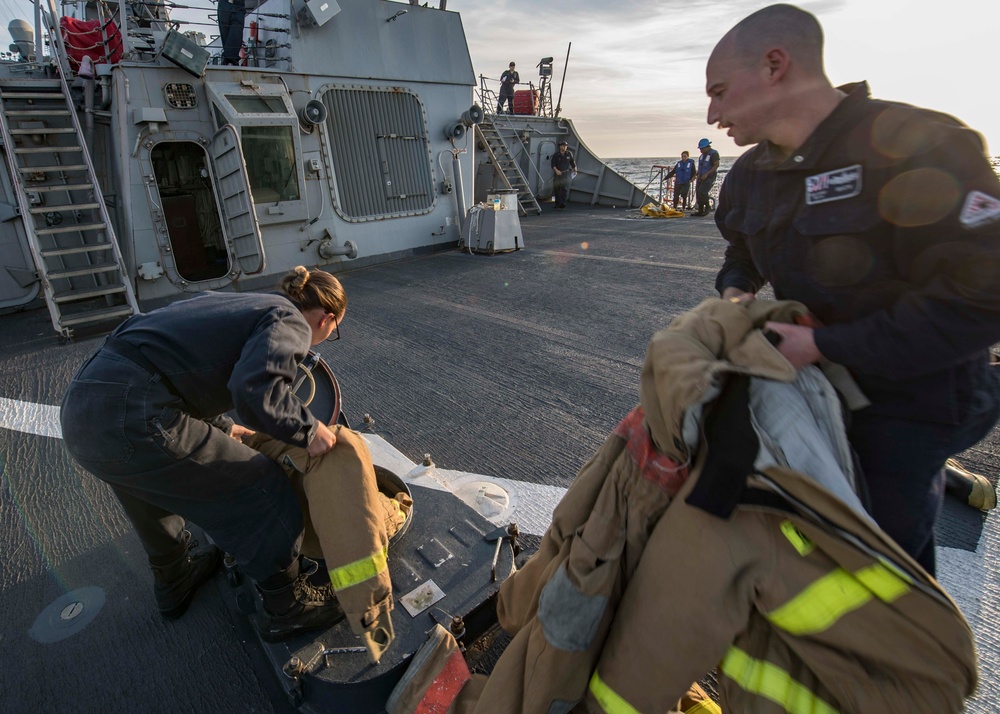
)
(802, 603)
(348, 523)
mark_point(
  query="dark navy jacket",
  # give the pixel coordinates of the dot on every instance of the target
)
(563, 162)
(225, 350)
(886, 224)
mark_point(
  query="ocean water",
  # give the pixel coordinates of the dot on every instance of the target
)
(640, 171)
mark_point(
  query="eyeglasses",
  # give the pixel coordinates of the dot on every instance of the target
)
(335, 335)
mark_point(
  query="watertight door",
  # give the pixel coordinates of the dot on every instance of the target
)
(239, 220)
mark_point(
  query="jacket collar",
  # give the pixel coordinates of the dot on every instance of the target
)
(766, 156)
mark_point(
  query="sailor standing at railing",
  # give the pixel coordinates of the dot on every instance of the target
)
(232, 13)
(507, 81)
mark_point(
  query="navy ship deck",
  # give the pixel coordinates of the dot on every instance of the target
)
(515, 366)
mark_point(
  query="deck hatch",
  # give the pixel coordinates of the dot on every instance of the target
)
(379, 148)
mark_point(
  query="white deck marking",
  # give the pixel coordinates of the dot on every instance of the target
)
(31, 418)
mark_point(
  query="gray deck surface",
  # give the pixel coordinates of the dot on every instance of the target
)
(515, 366)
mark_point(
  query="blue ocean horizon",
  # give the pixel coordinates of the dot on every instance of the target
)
(640, 171)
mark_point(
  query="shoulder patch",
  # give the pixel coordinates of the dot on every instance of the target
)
(979, 210)
(834, 185)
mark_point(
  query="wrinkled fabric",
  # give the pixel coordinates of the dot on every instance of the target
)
(683, 590)
(346, 523)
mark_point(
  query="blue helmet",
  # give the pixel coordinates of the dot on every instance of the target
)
(703, 143)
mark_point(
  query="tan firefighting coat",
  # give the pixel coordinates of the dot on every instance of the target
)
(348, 523)
(802, 603)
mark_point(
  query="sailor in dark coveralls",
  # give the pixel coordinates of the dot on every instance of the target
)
(145, 414)
(507, 81)
(232, 14)
(563, 167)
(884, 219)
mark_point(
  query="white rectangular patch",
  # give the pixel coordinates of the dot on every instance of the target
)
(421, 598)
(833, 185)
(979, 209)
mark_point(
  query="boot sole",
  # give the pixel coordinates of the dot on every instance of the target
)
(272, 637)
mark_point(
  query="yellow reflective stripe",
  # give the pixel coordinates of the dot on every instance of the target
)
(359, 571)
(610, 701)
(826, 600)
(802, 544)
(705, 707)
(888, 584)
(771, 682)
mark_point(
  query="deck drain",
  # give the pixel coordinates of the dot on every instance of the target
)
(67, 615)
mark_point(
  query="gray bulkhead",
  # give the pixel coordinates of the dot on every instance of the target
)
(367, 179)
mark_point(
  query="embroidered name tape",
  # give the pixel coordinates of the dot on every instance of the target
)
(979, 209)
(833, 185)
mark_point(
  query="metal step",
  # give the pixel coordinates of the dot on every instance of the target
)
(37, 112)
(87, 293)
(65, 207)
(52, 252)
(63, 187)
(32, 95)
(74, 228)
(46, 169)
(77, 272)
(47, 149)
(43, 130)
(95, 315)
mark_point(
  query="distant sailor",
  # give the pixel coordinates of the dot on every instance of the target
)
(563, 170)
(708, 167)
(507, 81)
(682, 173)
(232, 14)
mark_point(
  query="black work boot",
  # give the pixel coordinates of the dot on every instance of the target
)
(972, 488)
(174, 583)
(293, 605)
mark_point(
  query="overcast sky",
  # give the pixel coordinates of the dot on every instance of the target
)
(636, 79)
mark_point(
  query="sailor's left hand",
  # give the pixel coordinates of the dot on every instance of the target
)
(240, 432)
(797, 343)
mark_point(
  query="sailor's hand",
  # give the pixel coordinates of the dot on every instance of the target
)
(737, 295)
(558, 172)
(323, 441)
(797, 343)
(240, 432)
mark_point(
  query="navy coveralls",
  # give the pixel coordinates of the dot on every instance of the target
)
(507, 81)
(886, 224)
(143, 415)
(566, 163)
(232, 14)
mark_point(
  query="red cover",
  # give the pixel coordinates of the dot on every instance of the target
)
(83, 39)
(525, 101)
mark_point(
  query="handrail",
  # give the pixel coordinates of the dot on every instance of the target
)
(62, 58)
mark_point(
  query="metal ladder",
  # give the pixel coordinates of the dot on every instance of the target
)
(76, 256)
(502, 158)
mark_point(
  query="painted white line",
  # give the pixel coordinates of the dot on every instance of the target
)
(531, 504)
(30, 418)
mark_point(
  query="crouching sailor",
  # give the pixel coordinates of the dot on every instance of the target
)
(144, 415)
